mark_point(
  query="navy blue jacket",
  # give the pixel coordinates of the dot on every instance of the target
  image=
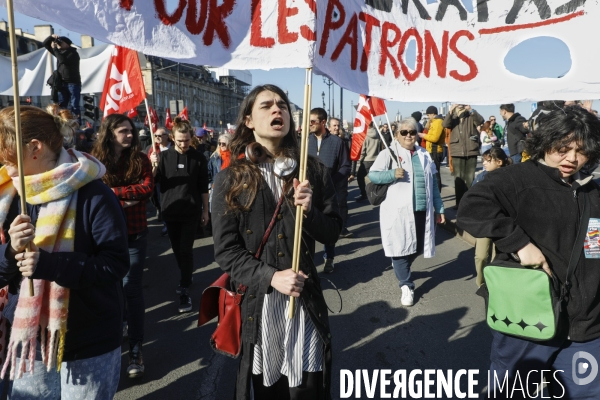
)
(334, 154)
(93, 271)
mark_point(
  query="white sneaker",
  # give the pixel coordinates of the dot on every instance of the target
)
(408, 296)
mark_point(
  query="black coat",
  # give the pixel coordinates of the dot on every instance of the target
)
(68, 62)
(515, 134)
(528, 202)
(334, 154)
(237, 236)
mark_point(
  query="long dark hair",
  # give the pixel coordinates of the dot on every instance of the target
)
(243, 173)
(104, 151)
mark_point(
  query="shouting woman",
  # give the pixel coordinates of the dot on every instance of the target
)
(282, 358)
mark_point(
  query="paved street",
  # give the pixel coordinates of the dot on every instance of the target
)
(443, 330)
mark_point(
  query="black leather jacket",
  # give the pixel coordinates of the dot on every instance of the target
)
(237, 236)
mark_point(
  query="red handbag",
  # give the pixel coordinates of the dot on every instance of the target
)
(219, 301)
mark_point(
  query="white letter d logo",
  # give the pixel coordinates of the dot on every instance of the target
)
(582, 367)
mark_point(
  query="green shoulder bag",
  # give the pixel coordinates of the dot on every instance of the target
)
(526, 302)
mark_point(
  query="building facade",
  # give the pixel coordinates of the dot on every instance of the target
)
(212, 96)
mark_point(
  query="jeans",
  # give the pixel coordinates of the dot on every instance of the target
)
(69, 97)
(516, 158)
(341, 192)
(363, 171)
(181, 235)
(511, 354)
(464, 173)
(402, 264)
(88, 378)
(132, 286)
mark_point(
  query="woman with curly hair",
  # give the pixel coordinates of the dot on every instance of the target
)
(77, 258)
(532, 212)
(282, 358)
(129, 175)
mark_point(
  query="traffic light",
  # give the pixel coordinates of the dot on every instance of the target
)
(91, 112)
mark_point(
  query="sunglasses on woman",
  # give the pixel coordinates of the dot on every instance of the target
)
(412, 132)
(222, 144)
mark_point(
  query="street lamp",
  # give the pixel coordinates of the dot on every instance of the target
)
(323, 97)
(329, 83)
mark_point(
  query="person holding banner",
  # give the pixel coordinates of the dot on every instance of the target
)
(281, 358)
(463, 145)
(413, 204)
(77, 256)
(129, 175)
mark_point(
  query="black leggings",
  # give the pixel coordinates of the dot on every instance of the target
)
(310, 389)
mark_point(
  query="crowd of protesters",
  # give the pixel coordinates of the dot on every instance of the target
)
(213, 184)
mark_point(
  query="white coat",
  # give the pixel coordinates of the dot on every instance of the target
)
(396, 213)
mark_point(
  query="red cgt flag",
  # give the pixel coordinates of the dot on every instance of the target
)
(153, 119)
(367, 108)
(124, 86)
(168, 120)
(184, 114)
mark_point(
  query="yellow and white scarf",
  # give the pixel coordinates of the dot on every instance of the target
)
(56, 192)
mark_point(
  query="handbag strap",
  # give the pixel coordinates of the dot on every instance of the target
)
(242, 288)
(577, 247)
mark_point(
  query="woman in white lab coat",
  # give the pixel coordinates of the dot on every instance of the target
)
(412, 206)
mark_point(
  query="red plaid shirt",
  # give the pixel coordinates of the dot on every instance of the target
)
(136, 214)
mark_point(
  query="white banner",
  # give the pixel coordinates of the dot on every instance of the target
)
(35, 69)
(360, 44)
(460, 55)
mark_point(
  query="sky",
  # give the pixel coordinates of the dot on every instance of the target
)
(535, 58)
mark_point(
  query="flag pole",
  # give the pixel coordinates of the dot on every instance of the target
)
(302, 177)
(17, 108)
(150, 124)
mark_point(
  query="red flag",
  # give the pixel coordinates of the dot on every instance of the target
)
(184, 114)
(124, 85)
(204, 126)
(168, 121)
(361, 124)
(88, 125)
(367, 108)
(153, 119)
(132, 113)
(377, 106)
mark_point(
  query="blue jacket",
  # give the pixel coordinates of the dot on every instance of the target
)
(334, 154)
(93, 271)
(214, 167)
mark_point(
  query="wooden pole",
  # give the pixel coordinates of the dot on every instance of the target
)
(17, 107)
(302, 177)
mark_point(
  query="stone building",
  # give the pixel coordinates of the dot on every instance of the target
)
(211, 95)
